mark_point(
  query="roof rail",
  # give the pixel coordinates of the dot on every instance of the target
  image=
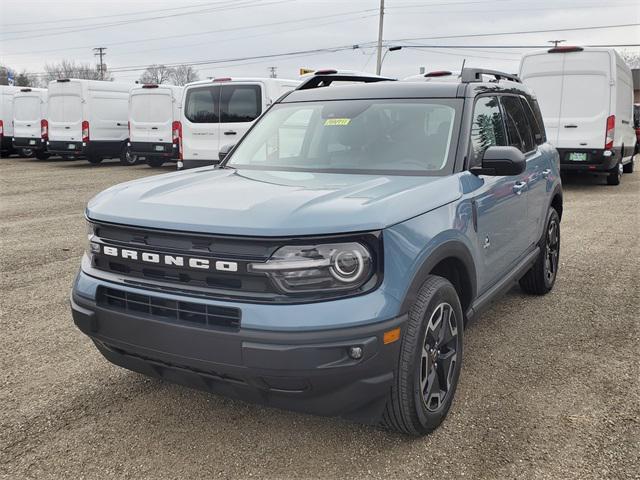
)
(470, 75)
(324, 78)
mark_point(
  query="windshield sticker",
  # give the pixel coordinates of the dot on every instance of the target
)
(338, 122)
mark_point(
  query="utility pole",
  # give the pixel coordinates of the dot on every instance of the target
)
(100, 52)
(379, 64)
(273, 73)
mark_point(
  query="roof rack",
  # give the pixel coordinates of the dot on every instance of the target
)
(324, 78)
(470, 75)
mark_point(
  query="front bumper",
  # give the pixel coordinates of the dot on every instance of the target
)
(167, 151)
(308, 371)
(597, 160)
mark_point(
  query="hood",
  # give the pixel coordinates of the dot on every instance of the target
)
(271, 203)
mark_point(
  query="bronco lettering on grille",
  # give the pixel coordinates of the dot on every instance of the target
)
(170, 260)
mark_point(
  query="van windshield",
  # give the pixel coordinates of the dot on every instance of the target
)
(395, 136)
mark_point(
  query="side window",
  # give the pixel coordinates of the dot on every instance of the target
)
(536, 129)
(240, 103)
(201, 105)
(518, 128)
(487, 129)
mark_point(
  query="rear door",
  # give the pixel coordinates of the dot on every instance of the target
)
(65, 114)
(109, 116)
(240, 105)
(151, 116)
(27, 116)
(586, 102)
(201, 123)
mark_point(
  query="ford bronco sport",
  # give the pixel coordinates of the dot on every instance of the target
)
(330, 262)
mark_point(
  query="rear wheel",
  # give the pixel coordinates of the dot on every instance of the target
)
(127, 158)
(628, 168)
(430, 360)
(155, 162)
(542, 276)
(615, 175)
(27, 152)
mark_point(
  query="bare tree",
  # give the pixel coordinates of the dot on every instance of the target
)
(71, 69)
(631, 58)
(184, 74)
(157, 74)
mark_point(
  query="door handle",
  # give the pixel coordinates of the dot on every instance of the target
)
(230, 132)
(546, 172)
(120, 124)
(571, 126)
(518, 187)
(154, 128)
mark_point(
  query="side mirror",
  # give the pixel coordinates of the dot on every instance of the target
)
(224, 151)
(501, 162)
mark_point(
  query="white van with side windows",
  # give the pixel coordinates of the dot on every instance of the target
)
(219, 112)
(154, 123)
(30, 129)
(586, 98)
(88, 118)
(6, 119)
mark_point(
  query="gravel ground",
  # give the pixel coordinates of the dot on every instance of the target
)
(550, 387)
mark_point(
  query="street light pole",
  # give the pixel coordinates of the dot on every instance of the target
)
(389, 49)
(380, 25)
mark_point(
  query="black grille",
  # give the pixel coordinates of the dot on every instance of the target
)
(212, 316)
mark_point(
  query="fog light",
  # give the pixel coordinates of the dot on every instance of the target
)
(355, 352)
(95, 248)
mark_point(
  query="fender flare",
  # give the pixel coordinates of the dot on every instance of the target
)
(449, 249)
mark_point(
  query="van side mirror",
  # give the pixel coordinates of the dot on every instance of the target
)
(501, 162)
(224, 151)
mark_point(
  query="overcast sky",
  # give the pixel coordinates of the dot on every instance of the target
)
(35, 32)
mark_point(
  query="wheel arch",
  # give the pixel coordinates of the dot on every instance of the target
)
(556, 201)
(451, 260)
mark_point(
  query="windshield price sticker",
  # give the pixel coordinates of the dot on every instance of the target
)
(336, 122)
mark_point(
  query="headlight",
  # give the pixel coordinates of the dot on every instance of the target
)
(318, 268)
(92, 247)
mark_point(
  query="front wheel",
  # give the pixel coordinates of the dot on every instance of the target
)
(430, 361)
(542, 276)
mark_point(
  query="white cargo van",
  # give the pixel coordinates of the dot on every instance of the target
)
(219, 112)
(154, 123)
(88, 118)
(6, 118)
(586, 98)
(30, 129)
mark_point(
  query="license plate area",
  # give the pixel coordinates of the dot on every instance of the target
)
(159, 148)
(71, 146)
(32, 142)
(577, 157)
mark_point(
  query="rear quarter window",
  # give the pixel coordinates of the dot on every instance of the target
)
(202, 104)
(240, 103)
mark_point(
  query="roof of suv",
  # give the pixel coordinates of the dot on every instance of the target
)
(403, 89)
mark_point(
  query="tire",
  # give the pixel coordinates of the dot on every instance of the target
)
(27, 152)
(628, 168)
(406, 410)
(127, 158)
(615, 175)
(541, 278)
(40, 155)
(94, 159)
(155, 162)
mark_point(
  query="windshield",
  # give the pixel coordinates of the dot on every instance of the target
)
(395, 136)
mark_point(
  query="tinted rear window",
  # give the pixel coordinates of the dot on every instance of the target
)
(240, 103)
(202, 104)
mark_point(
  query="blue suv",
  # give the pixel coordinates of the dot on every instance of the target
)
(329, 264)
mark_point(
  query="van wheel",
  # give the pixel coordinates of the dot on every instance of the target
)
(628, 168)
(42, 155)
(127, 158)
(430, 360)
(27, 152)
(615, 175)
(542, 276)
(155, 162)
(94, 159)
